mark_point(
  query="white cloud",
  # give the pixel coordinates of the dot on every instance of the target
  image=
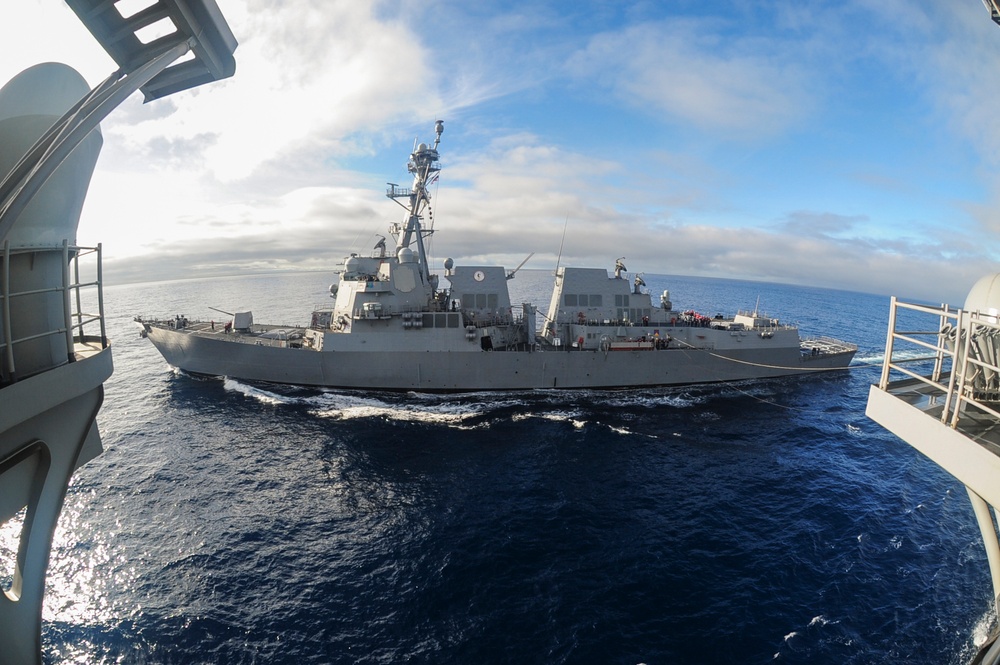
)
(307, 75)
(689, 70)
(500, 216)
(258, 172)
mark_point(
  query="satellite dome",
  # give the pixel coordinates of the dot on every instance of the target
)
(31, 103)
(405, 255)
(449, 264)
(984, 296)
(352, 264)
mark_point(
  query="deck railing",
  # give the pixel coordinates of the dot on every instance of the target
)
(75, 318)
(964, 349)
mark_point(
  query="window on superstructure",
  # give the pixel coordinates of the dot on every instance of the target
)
(570, 299)
(480, 301)
(453, 320)
(468, 301)
(596, 300)
(492, 301)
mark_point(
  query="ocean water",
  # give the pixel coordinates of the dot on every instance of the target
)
(754, 522)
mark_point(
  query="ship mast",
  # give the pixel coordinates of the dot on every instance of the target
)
(422, 165)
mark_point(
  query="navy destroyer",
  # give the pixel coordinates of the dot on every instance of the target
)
(393, 326)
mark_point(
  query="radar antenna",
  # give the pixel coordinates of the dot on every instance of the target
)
(561, 243)
(423, 166)
(511, 274)
(619, 267)
(639, 281)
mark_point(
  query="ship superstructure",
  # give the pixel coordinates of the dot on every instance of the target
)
(54, 352)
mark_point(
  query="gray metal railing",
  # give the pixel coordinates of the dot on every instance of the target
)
(964, 349)
(75, 319)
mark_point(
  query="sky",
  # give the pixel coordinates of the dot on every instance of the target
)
(849, 144)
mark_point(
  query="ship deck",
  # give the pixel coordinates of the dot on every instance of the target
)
(210, 328)
(826, 346)
(87, 347)
(974, 424)
(943, 397)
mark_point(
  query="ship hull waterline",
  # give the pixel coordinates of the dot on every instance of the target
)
(446, 371)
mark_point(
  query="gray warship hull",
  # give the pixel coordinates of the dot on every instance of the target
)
(727, 358)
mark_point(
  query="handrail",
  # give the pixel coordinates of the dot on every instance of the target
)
(955, 356)
(74, 316)
(8, 356)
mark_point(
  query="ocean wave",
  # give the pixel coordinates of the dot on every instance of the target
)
(258, 394)
(353, 406)
(984, 626)
(573, 417)
(411, 415)
(877, 358)
(464, 409)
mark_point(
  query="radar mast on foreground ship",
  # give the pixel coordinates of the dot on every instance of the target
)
(393, 327)
(950, 411)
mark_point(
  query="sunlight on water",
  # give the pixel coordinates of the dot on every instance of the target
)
(75, 591)
(10, 537)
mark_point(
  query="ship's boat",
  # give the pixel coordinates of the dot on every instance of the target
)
(394, 326)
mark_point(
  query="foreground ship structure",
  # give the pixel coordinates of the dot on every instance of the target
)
(394, 326)
(54, 350)
(949, 408)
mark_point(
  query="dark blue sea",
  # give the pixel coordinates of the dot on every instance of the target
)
(755, 522)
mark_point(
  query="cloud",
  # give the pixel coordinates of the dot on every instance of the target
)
(747, 141)
(803, 222)
(490, 214)
(691, 71)
(951, 54)
(307, 75)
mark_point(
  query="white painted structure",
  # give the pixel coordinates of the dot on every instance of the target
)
(54, 354)
(948, 406)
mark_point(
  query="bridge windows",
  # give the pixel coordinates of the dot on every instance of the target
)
(582, 300)
(441, 319)
(489, 301)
